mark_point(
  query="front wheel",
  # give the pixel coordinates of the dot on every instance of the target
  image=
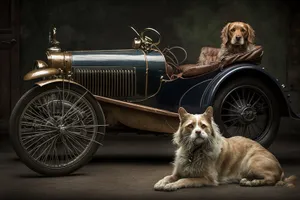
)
(247, 107)
(56, 129)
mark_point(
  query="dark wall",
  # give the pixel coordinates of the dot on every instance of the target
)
(104, 24)
(293, 65)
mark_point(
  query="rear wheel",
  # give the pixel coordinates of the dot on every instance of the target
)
(56, 129)
(247, 107)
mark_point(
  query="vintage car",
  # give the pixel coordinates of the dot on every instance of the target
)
(57, 126)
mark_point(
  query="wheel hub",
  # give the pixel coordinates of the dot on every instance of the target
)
(62, 129)
(248, 114)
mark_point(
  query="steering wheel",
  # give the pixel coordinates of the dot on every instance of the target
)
(149, 39)
(144, 41)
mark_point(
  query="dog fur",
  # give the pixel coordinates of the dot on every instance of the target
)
(237, 37)
(205, 158)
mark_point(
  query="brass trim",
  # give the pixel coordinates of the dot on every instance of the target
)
(53, 42)
(61, 60)
(146, 73)
(39, 73)
(55, 59)
(45, 82)
(68, 61)
(39, 64)
(136, 44)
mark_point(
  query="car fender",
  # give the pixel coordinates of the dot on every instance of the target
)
(240, 70)
(57, 80)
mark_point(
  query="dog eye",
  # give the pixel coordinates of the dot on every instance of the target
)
(243, 30)
(190, 126)
(203, 126)
(232, 30)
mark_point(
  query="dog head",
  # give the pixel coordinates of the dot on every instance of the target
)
(194, 129)
(237, 34)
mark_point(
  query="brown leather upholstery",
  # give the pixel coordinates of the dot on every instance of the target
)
(190, 70)
(208, 55)
(208, 61)
(254, 56)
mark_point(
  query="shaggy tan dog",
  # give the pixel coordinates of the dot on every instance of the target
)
(205, 158)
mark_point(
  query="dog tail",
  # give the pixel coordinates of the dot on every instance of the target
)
(289, 182)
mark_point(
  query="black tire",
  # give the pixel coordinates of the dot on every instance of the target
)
(63, 139)
(244, 113)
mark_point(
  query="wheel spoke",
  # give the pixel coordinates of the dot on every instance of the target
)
(253, 115)
(74, 140)
(39, 132)
(49, 150)
(257, 127)
(83, 137)
(249, 132)
(230, 115)
(68, 149)
(230, 110)
(36, 125)
(73, 105)
(237, 130)
(243, 95)
(40, 145)
(34, 116)
(251, 98)
(48, 147)
(232, 105)
(236, 103)
(233, 124)
(239, 99)
(77, 150)
(35, 142)
(43, 108)
(232, 119)
(256, 102)
(58, 126)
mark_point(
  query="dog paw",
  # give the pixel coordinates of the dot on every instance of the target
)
(245, 182)
(160, 185)
(171, 187)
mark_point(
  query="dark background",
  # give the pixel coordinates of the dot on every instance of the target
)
(103, 24)
(191, 24)
(129, 165)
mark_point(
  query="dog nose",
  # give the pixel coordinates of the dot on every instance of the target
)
(238, 38)
(198, 132)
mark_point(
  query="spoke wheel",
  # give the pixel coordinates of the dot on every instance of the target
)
(56, 129)
(246, 111)
(246, 107)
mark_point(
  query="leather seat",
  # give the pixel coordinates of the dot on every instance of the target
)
(208, 62)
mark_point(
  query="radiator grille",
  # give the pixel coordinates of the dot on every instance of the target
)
(107, 82)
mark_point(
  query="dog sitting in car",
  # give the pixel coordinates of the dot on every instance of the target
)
(237, 37)
(205, 158)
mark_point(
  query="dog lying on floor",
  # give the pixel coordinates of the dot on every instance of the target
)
(205, 158)
(237, 37)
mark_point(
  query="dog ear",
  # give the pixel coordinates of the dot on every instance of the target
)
(251, 34)
(224, 34)
(182, 112)
(209, 112)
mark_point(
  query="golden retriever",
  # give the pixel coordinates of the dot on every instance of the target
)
(237, 37)
(205, 158)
